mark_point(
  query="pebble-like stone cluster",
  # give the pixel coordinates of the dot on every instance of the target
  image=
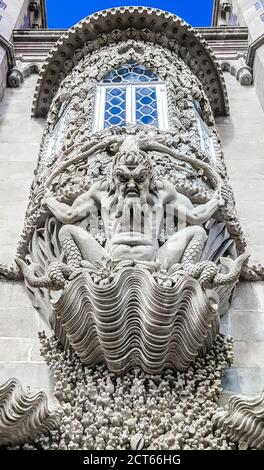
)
(136, 411)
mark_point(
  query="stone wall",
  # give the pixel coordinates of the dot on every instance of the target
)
(19, 322)
(242, 139)
(12, 16)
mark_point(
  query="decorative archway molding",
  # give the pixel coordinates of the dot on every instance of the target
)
(141, 23)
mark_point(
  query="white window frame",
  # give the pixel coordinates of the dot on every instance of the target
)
(161, 95)
(56, 137)
(203, 129)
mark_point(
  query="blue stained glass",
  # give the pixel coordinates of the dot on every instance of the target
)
(146, 100)
(146, 114)
(147, 119)
(116, 101)
(117, 80)
(115, 107)
(131, 72)
(145, 105)
(123, 71)
(117, 91)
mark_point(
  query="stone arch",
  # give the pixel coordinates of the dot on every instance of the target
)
(141, 23)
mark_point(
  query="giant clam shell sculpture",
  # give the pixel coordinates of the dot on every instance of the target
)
(134, 322)
(243, 421)
(23, 417)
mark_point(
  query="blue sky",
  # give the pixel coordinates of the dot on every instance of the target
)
(65, 13)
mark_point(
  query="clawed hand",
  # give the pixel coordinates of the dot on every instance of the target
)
(221, 195)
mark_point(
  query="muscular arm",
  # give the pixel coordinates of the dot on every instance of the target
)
(81, 207)
(194, 215)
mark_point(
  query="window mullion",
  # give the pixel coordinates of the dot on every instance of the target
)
(101, 107)
(134, 104)
(162, 107)
(129, 112)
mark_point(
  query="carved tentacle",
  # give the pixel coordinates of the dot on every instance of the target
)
(11, 272)
(205, 271)
(234, 266)
(85, 152)
(57, 273)
(73, 254)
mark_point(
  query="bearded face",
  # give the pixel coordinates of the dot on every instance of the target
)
(132, 182)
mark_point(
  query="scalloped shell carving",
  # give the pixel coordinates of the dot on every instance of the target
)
(134, 322)
(23, 417)
(243, 422)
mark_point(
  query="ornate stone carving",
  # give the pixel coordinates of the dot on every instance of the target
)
(157, 319)
(129, 199)
(108, 205)
(243, 421)
(105, 412)
(182, 89)
(136, 23)
(132, 198)
(23, 416)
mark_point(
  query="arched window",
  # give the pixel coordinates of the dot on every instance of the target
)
(206, 140)
(131, 94)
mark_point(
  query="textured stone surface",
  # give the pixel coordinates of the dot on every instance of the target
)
(19, 144)
(243, 140)
(136, 411)
(19, 322)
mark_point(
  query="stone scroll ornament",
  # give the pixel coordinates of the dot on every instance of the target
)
(131, 247)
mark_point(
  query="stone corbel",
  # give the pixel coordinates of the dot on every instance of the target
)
(14, 75)
(239, 69)
(244, 72)
(14, 78)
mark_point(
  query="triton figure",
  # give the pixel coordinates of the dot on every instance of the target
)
(133, 208)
